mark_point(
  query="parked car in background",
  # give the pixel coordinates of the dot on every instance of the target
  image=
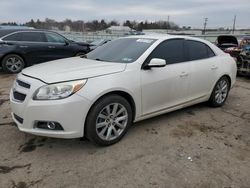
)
(22, 48)
(241, 53)
(235, 51)
(226, 41)
(244, 59)
(97, 43)
(127, 80)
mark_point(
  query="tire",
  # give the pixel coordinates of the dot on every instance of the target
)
(220, 92)
(102, 125)
(13, 63)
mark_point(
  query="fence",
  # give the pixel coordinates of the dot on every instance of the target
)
(212, 38)
(91, 36)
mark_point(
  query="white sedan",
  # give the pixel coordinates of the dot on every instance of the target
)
(127, 80)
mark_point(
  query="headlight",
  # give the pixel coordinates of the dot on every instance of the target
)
(58, 91)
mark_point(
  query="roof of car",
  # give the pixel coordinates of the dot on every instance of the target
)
(166, 36)
(4, 32)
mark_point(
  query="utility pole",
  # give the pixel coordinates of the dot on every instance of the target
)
(168, 23)
(205, 26)
(234, 23)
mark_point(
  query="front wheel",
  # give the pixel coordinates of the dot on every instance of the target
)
(108, 120)
(12, 63)
(220, 92)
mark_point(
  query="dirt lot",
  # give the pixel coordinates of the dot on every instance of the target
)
(194, 147)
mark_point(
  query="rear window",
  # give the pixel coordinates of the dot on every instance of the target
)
(210, 52)
(32, 37)
(13, 37)
(4, 32)
(25, 36)
(198, 50)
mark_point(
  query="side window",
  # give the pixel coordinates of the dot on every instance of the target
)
(198, 50)
(171, 50)
(31, 37)
(13, 37)
(54, 38)
(210, 52)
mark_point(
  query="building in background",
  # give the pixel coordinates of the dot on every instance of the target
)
(119, 30)
(67, 28)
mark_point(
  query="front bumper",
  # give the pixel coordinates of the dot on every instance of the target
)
(69, 112)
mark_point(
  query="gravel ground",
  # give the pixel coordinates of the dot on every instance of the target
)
(195, 147)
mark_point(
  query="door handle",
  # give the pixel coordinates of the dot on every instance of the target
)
(51, 46)
(214, 67)
(23, 46)
(183, 74)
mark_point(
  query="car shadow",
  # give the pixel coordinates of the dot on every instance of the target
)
(191, 111)
(32, 143)
(1, 71)
(4, 74)
(244, 78)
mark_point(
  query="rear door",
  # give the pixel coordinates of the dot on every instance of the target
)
(58, 47)
(202, 61)
(167, 86)
(31, 44)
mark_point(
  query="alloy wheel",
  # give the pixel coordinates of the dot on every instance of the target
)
(14, 64)
(111, 121)
(221, 91)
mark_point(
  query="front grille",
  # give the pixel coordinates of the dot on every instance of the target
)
(23, 84)
(19, 119)
(19, 96)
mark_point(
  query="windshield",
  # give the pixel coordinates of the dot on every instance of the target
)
(124, 50)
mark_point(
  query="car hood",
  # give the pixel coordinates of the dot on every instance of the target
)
(72, 69)
(227, 39)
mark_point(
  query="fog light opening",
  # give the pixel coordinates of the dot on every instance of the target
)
(51, 125)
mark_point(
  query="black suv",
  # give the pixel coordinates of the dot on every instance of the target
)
(21, 48)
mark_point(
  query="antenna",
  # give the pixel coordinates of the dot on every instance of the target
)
(234, 23)
(205, 26)
(168, 23)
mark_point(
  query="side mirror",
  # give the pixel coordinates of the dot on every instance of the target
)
(67, 43)
(2, 42)
(156, 62)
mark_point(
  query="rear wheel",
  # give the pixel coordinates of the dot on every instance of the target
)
(108, 120)
(12, 63)
(220, 92)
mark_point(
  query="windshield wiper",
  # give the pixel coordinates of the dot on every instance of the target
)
(83, 56)
(98, 59)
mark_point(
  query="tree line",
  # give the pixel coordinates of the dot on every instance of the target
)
(95, 25)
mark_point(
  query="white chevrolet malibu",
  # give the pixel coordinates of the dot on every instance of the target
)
(127, 80)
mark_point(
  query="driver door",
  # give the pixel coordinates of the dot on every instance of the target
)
(58, 47)
(166, 87)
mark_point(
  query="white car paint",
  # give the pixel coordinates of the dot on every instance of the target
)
(154, 92)
(59, 69)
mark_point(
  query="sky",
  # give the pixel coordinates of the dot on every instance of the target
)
(220, 13)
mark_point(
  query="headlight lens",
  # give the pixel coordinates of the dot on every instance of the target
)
(58, 91)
